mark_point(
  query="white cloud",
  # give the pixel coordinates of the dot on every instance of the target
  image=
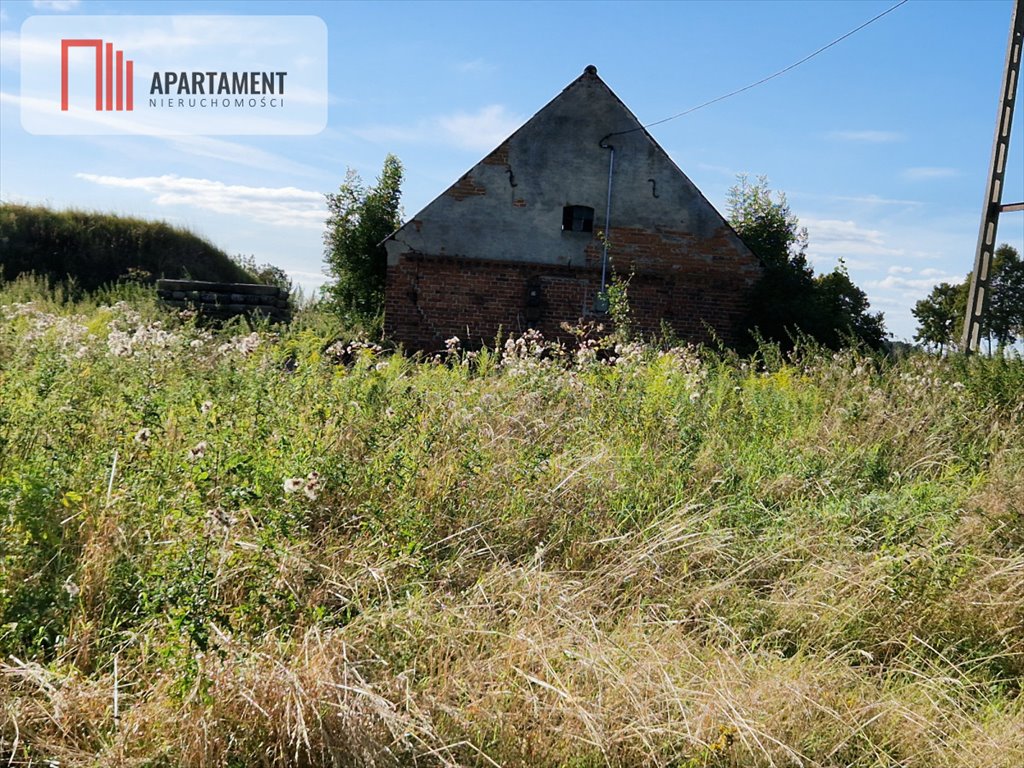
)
(893, 307)
(732, 173)
(275, 206)
(896, 256)
(40, 51)
(475, 66)
(12, 49)
(868, 137)
(483, 130)
(56, 5)
(387, 134)
(910, 286)
(200, 146)
(836, 237)
(906, 285)
(476, 131)
(873, 200)
(241, 154)
(928, 172)
(41, 106)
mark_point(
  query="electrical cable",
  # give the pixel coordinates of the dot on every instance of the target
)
(764, 80)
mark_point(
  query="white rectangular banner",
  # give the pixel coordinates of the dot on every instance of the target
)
(209, 75)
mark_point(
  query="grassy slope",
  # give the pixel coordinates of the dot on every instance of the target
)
(679, 560)
(98, 248)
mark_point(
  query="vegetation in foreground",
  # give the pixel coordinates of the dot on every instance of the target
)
(256, 548)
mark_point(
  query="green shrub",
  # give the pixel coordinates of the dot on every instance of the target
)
(93, 249)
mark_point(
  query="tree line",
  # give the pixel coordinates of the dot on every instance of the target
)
(940, 316)
(790, 301)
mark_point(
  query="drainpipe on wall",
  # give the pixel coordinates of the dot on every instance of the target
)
(602, 297)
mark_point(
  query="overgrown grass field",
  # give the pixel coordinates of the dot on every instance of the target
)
(256, 548)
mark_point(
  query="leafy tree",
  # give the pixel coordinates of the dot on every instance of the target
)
(359, 219)
(267, 274)
(770, 229)
(843, 311)
(940, 316)
(768, 226)
(789, 299)
(1004, 320)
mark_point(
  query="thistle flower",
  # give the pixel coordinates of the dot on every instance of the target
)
(243, 345)
(312, 485)
(143, 435)
(294, 484)
(71, 588)
(220, 517)
(197, 451)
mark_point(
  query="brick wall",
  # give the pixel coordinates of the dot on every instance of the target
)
(466, 187)
(688, 283)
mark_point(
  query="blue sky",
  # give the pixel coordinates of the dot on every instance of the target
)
(881, 143)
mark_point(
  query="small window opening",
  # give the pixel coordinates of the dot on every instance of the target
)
(577, 218)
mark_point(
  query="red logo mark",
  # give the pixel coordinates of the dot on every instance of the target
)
(124, 68)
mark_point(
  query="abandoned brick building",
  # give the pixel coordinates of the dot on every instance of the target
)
(516, 242)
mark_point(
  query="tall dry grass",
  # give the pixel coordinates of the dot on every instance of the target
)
(511, 558)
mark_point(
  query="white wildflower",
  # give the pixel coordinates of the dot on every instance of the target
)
(119, 344)
(312, 485)
(242, 345)
(220, 517)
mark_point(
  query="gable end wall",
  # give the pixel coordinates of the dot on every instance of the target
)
(489, 253)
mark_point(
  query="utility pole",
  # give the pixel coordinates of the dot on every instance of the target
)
(978, 295)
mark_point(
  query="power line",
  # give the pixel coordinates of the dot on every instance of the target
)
(764, 80)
